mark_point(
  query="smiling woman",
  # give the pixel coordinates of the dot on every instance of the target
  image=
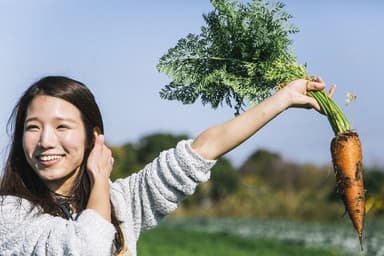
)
(53, 141)
(55, 129)
(56, 195)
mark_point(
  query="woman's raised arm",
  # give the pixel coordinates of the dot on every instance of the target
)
(220, 139)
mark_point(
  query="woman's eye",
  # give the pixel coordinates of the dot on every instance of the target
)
(62, 127)
(31, 127)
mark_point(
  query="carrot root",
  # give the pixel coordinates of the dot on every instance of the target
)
(347, 163)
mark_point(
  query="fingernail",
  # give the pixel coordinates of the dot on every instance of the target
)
(97, 130)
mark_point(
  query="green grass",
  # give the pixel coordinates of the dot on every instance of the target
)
(163, 241)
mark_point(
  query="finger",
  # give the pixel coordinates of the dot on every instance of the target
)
(320, 80)
(314, 86)
(99, 139)
(332, 90)
(97, 130)
(314, 104)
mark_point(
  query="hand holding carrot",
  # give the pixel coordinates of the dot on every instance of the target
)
(296, 93)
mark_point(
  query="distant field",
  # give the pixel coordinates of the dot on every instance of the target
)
(165, 241)
(237, 237)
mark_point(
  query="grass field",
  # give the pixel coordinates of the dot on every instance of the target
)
(164, 241)
(237, 237)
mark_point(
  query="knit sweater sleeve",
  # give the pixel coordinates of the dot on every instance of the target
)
(24, 230)
(157, 190)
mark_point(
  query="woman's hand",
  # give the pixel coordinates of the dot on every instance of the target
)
(296, 93)
(99, 166)
(100, 160)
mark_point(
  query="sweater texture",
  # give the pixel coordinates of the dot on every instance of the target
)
(140, 201)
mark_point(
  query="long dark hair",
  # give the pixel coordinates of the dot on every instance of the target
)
(20, 180)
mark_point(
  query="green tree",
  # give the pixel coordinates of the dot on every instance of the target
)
(282, 174)
(126, 160)
(225, 179)
(374, 180)
(374, 185)
(272, 169)
(241, 53)
(149, 147)
(260, 163)
(131, 157)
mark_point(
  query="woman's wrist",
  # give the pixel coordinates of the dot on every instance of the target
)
(282, 99)
(99, 198)
(100, 181)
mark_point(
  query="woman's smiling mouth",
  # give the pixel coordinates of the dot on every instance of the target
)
(47, 160)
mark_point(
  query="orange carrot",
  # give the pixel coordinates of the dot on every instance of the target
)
(347, 162)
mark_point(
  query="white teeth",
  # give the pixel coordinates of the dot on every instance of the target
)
(49, 158)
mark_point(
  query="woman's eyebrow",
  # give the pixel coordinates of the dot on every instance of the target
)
(66, 119)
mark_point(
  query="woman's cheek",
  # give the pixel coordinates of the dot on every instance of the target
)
(30, 142)
(74, 141)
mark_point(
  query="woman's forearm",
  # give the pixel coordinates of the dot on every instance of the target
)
(99, 166)
(218, 140)
(99, 199)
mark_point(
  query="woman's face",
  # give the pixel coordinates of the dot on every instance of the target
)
(54, 141)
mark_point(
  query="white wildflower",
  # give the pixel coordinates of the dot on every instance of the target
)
(350, 97)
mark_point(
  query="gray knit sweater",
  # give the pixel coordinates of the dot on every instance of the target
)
(140, 200)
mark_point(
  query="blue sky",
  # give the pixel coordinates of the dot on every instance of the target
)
(114, 47)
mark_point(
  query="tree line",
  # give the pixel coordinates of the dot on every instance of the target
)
(265, 185)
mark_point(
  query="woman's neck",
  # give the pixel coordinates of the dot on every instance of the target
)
(63, 186)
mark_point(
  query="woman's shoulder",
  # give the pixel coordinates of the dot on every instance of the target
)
(11, 199)
(13, 203)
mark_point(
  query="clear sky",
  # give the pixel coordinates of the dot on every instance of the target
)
(114, 46)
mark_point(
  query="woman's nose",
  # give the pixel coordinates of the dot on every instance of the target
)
(48, 138)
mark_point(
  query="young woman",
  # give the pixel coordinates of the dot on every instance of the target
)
(57, 198)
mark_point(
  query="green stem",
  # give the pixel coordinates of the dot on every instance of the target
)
(335, 115)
